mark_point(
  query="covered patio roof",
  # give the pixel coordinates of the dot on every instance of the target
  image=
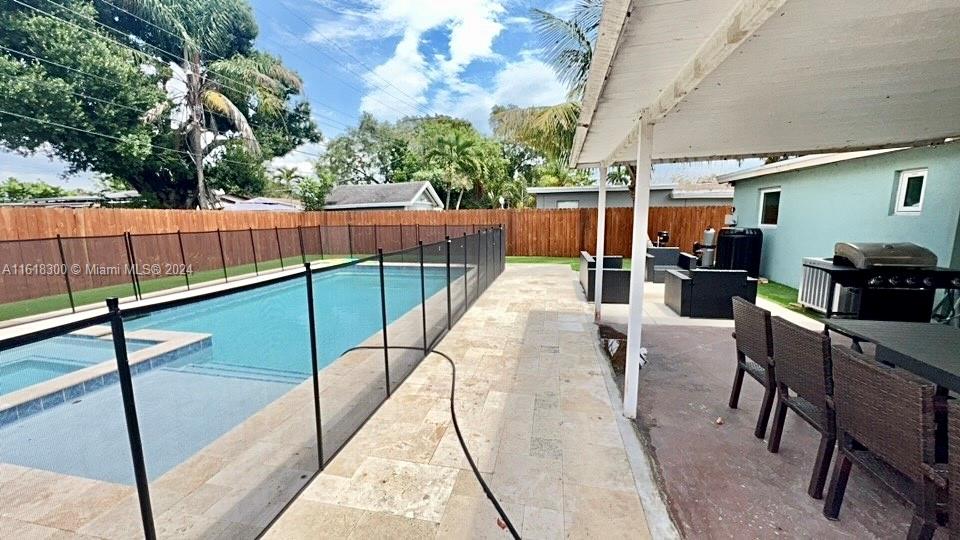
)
(737, 78)
(684, 80)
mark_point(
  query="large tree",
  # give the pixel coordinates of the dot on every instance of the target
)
(84, 81)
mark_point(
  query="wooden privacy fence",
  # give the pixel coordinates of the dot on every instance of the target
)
(535, 232)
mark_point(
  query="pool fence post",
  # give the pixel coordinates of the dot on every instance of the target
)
(66, 274)
(183, 259)
(423, 301)
(376, 236)
(320, 240)
(132, 259)
(223, 258)
(449, 302)
(253, 246)
(401, 236)
(276, 232)
(479, 243)
(350, 239)
(303, 253)
(418, 232)
(466, 287)
(314, 362)
(383, 318)
(130, 415)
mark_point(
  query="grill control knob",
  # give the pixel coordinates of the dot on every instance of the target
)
(875, 281)
(911, 281)
(928, 282)
(894, 280)
(955, 283)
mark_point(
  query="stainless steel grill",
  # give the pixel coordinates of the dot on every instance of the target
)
(882, 281)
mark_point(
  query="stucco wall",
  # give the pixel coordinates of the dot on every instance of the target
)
(658, 198)
(853, 201)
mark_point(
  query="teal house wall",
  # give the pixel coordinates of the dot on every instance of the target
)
(854, 200)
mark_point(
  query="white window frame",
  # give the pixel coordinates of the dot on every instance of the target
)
(902, 182)
(576, 204)
(763, 194)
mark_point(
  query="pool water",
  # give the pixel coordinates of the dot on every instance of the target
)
(259, 351)
(39, 362)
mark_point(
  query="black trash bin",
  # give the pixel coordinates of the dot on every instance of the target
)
(739, 249)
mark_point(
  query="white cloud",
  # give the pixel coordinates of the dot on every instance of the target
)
(400, 86)
(525, 82)
(302, 160)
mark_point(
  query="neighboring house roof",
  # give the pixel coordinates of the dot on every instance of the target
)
(79, 201)
(347, 196)
(264, 204)
(803, 162)
(589, 189)
(692, 191)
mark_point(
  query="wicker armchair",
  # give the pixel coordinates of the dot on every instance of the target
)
(885, 424)
(804, 383)
(754, 350)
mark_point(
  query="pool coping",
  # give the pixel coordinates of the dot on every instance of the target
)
(169, 346)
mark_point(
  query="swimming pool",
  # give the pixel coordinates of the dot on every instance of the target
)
(259, 351)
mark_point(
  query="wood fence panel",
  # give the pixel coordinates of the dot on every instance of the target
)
(536, 232)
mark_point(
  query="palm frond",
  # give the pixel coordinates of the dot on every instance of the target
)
(220, 104)
(567, 47)
(161, 13)
(549, 130)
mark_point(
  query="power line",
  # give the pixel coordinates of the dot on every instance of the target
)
(246, 86)
(410, 99)
(122, 45)
(409, 102)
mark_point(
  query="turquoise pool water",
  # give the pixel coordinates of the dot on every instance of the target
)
(259, 351)
(38, 362)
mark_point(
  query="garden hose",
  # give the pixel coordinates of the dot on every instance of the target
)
(456, 428)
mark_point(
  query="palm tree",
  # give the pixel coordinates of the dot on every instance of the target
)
(568, 46)
(259, 80)
(457, 156)
(568, 43)
(287, 176)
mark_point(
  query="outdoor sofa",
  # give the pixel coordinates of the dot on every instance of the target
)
(616, 279)
(707, 293)
(660, 260)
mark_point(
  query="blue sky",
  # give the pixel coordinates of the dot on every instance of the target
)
(395, 58)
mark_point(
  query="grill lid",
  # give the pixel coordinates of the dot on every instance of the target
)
(864, 255)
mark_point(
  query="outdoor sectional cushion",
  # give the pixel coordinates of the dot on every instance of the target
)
(707, 293)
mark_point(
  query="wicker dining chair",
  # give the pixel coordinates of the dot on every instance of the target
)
(953, 422)
(754, 350)
(885, 424)
(804, 382)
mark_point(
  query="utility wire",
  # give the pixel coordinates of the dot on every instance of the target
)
(408, 99)
(246, 86)
(104, 135)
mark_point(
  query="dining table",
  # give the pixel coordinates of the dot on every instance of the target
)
(928, 350)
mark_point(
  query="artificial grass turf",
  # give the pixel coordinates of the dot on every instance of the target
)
(56, 302)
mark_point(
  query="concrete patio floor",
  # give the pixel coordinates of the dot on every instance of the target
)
(537, 405)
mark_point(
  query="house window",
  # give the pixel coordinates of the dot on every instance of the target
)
(568, 204)
(910, 191)
(769, 207)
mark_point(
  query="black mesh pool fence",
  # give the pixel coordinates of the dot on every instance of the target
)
(61, 274)
(242, 394)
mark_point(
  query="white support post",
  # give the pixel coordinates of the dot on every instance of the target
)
(641, 210)
(601, 239)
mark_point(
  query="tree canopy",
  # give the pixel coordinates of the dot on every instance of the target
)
(155, 93)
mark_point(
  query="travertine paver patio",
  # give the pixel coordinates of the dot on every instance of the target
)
(534, 401)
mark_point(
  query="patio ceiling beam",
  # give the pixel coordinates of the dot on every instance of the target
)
(745, 19)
